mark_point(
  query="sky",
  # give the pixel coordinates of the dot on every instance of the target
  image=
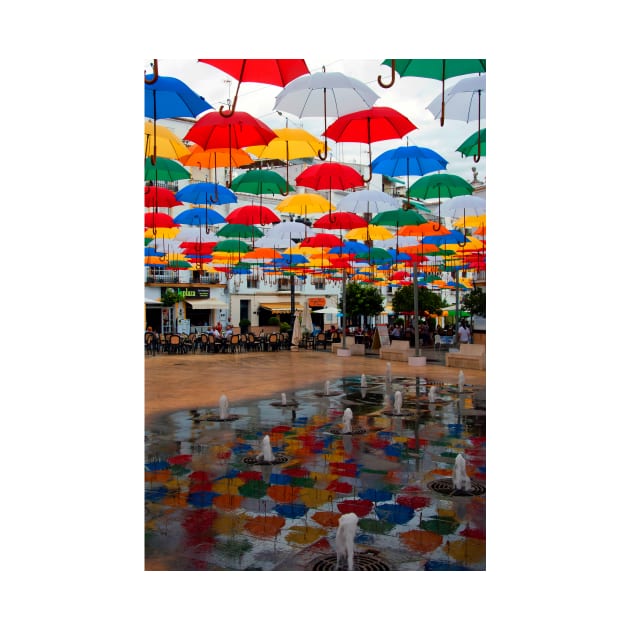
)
(409, 96)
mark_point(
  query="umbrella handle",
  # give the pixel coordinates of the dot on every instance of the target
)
(319, 153)
(393, 78)
(155, 74)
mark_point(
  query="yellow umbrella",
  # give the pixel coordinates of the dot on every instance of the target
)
(291, 144)
(168, 145)
(470, 221)
(303, 204)
(369, 233)
(161, 232)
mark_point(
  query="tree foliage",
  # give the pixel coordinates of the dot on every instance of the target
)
(475, 302)
(402, 301)
(361, 299)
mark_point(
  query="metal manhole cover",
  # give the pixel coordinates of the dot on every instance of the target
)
(445, 487)
(278, 459)
(362, 562)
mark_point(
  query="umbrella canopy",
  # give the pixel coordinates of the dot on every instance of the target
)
(329, 176)
(164, 169)
(409, 160)
(291, 144)
(261, 182)
(213, 158)
(168, 97)
(199, 216)
(324, 93)
(290, 229)
(236, 230)
(271, 71)
(206, 193)
(340, 221)
(252, 215)
(158, 197)
(368, 201)
(214, 131)
(369, 233)
(161, 141)
(368, 126)
(440, 69)
(321, 240)
(155, 220)
(304, 203)
(474, 145)
(396, 218)
(466, 101)
(439, 185)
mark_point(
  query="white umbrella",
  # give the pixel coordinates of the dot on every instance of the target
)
(324, 94)
(292, 229)
(328, 310)
(307, 322)
(297, 330)
(368, 201)
(466, 100)
(458, 205)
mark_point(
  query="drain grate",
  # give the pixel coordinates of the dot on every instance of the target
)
(362, 562)
(357, 431)
(445, 487)
(278, 459)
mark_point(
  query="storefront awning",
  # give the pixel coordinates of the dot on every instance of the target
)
(150, 302)
(208, 303)
(280, 307)
(317, 302)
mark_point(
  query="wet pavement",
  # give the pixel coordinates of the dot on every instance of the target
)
(211, 504)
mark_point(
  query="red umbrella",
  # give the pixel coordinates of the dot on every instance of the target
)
(158, 197)
(252, 215)
(340, 221)
(215, 131)
(272, 71)
(322, 240)
(370, 125)
(158, 220)
(330, 176)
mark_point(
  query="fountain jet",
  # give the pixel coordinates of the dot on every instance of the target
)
(223, 407)
(347, 421)
(344, 539)
(461, 481)
(267, 454)
(397, 402)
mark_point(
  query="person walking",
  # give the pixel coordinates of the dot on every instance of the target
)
(463, 333)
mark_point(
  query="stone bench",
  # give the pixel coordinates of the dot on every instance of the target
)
(399, 350)
(470, 355)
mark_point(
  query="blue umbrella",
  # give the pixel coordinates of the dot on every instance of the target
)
(408, 160)
(206, 193)
(199, 216)
(291, 510)
(169, 97)
(349, 247)
(372, 494)
(394, 513)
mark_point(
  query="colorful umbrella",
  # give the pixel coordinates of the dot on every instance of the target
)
(199, 216)
(368, 126)
(164, 169)
(207, 193)
(161, 141)
(212, 158)
(304, 203)
(323, 92)
(261, 182)
(155, 220)
(252, 215)
(440, 69)
(368, 201)
(271, 71)
(474, 145)
(340, 221)
(168, 97)
(214, 131)
(438, 185)
(329, 176)
(236, 230)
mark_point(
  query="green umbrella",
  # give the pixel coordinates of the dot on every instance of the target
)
(439, 69)
(438, 185)
(237, 230)
(396, 218)
(259, 182)
(231, 245)
(472, 144)
(164, 170)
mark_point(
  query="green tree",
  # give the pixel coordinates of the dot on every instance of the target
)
(402, 301)
(361, 299)
(475, 302)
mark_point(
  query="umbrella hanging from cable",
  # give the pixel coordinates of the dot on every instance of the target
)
(214, 131)
(321, 93)
(271, 71)
(368, 126)
(440, 69)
